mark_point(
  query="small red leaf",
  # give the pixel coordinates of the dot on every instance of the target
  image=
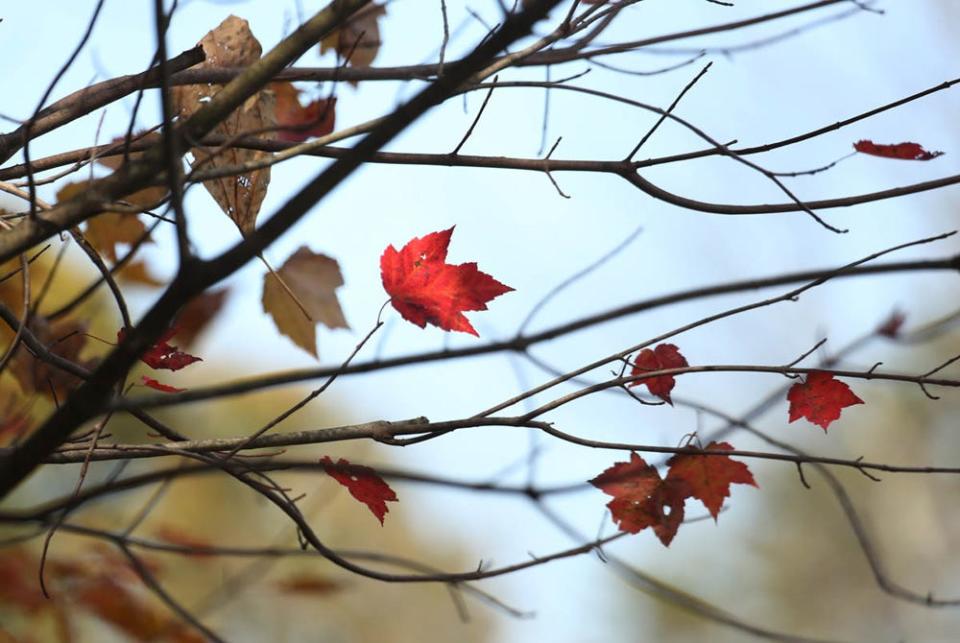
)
(641, 499)
(165, 388)
(903, 151)
(891, 326)
(162, 355)
(363, 483)
(426, 290)
(661, 357)
(709, 477)
(820, 398)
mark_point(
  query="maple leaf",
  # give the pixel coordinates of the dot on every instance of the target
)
(708, 477)
(313, 278)
(299, 122)
(358, 39)
(642, 499)
(363, 483)
(425, 289)
(891, 325)
(232, 44)
(903, 151)
(105, 231)
(820, 398)
(158, 386)
(136, 272)
(162, 355)
(661, 357)
(199, 312)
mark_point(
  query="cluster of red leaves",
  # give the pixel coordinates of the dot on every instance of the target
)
(663, 356)
(426, 290)
(903, 151)
(820, 398)
(641, 498)
(162, 355)
(363, 483)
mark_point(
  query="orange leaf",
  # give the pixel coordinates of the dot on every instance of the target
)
(820, 398)
(363, 483)
(426, 290)
(299, 122)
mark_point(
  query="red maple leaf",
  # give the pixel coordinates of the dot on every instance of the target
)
(708, 477)
(162, 355)
(820, 398)
(299, 122)
(892, 325)
(363, 483)
(903, 151)
(661, 357)
(165, 388)
(642, 499)
(426, 290)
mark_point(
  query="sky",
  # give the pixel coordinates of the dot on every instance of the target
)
(519, 229)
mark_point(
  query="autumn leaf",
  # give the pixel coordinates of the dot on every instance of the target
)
(425, 289)
(64, 338)
(163, 388)
(642, 499)
(105, 231)
(232, 44)
(708, 477)
(891, 325)
(137, 272)
(308, 584)
(363, 483)
(162, 355)
(663, 356)
(197, 315)
(313, 278)
(903, 151)
(820, 398)
(299, 122)
(175, 536)
(357, 40)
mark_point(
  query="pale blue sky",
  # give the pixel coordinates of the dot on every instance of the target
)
(518, 229)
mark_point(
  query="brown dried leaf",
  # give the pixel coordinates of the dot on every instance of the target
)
(106, 230)
(232, 44)
(358, 38)
(313, 278)
(136, 272)
(65, 338)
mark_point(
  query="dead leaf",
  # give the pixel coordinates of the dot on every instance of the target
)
(232, 44)
(313, 278)
(358, 39)
(137, 272)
